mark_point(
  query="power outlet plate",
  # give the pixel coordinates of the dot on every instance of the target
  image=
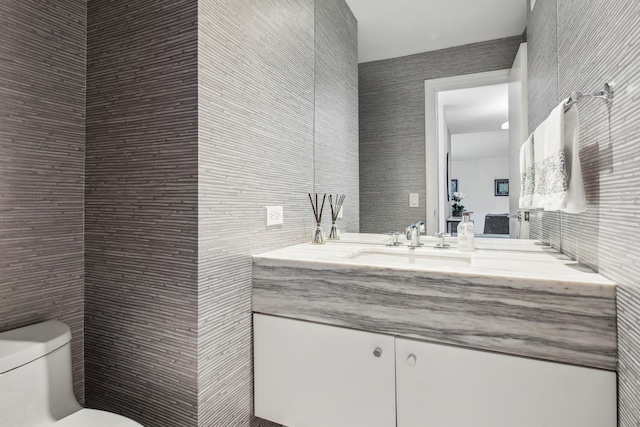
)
(275, 215)
(414, 200)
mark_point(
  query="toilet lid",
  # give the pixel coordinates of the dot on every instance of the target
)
(93, 418)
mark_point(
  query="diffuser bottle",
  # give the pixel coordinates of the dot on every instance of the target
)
(466, 233)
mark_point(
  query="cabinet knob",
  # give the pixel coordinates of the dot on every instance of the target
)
(377, 352)
(412, 359)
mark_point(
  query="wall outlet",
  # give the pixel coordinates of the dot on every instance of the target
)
(275, 215)
(414, 200)
(341, 213)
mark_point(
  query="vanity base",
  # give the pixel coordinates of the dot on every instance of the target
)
(317, 375)
(538, 319)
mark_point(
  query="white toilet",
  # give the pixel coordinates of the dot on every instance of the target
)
(36, 388)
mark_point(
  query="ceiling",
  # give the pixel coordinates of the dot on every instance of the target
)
(478, 109)
(481, 145)
(474, 117)
(393, 28)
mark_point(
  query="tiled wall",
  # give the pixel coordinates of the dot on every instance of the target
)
(255, 150)
(598, 42)
(542, 69)
(198, 116)
(542, 61)
(42, 123)
(141, 224)
(336, 109)
(392, 126)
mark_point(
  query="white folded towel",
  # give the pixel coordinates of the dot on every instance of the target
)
(527, 174)
(576, 200)
(558, 175)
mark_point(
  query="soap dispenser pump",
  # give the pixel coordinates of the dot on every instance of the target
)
(466, 233)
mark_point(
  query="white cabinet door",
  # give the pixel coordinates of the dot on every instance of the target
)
(311, 375)
(442, 386)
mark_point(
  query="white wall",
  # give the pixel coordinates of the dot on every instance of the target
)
(476, 180)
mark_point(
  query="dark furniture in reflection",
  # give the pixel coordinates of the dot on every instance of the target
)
(496, 224)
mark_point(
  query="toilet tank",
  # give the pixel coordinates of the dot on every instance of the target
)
(36, 387)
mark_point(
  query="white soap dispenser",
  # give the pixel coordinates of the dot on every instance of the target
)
(466, 233)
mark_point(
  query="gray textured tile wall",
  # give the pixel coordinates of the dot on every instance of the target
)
(168, 329)
(255, 149)
(141, 224)
(542, 61)
(542, 68)
(336, 109)
(42, 124)
(392, 126)
(597, 42)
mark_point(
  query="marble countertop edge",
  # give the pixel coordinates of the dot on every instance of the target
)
(537, 267)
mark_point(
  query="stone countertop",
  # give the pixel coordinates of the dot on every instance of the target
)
(529, 301)
(493, 259)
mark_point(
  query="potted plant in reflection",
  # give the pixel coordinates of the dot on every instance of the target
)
(457, 207)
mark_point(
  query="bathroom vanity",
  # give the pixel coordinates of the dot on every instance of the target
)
(354, 334)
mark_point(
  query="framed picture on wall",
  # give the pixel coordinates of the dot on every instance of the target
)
(501, 187)
(454, 186)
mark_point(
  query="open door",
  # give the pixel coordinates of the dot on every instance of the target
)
(518, 132)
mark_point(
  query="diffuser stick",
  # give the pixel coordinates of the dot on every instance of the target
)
(336, 205)
(318, 237)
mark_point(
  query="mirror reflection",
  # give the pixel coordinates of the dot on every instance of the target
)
(440, 125)
(476, 144)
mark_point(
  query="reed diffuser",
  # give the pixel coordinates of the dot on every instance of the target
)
(336, 205)
(318, 237)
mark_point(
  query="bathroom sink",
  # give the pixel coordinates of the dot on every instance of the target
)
(418, 257)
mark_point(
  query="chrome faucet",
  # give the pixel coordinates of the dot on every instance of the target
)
(413, 234)
(442, 244)
(394, 239)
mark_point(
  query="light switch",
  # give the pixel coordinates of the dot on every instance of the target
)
(340, 214)
(414, 200)
(274, 215)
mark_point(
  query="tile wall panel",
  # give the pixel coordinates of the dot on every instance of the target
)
(542, 90)
(600, 42)
(141, 199)
(336, 109)
(392, 126)
(256, 96)
(141, 224)
(542, 61)
(42, 125)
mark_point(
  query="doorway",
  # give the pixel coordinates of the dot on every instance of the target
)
(476, 141)
(438, 185)
(438, 138)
